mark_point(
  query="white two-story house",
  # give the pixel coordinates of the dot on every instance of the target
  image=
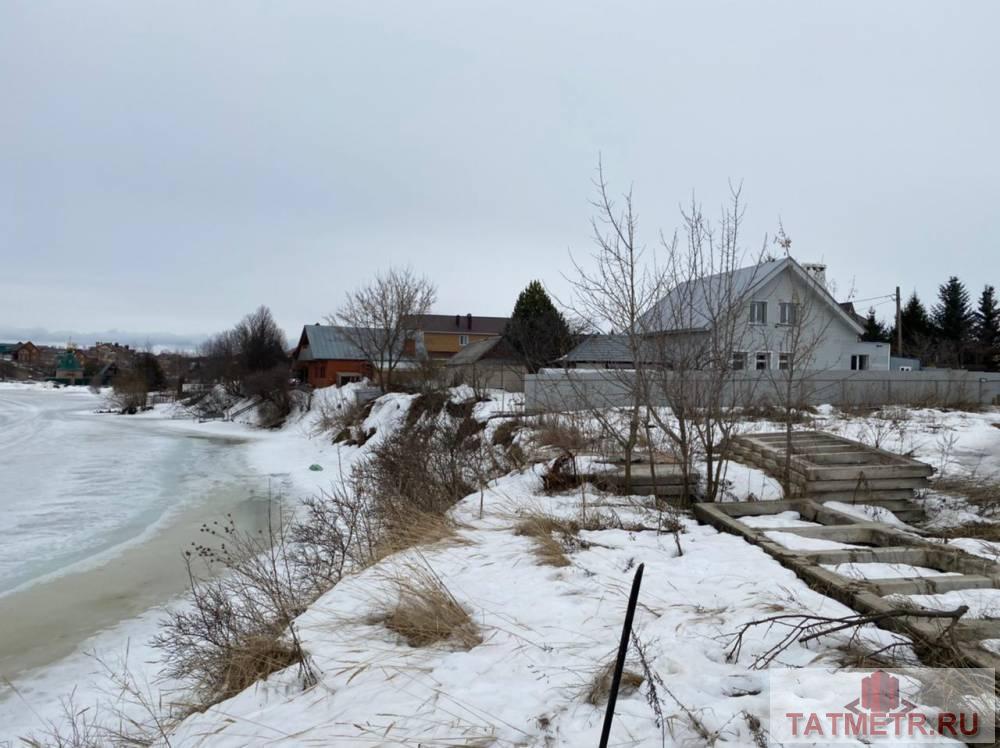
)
(781, 314)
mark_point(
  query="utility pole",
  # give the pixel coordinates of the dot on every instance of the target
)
(899, 325)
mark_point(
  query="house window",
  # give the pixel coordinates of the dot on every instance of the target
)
(758, 312)
(784, 361)
(788, 313)
(321, 371)
(859, 362)
(762, 360)
(463, 340)
(343, 379)
(739, 360)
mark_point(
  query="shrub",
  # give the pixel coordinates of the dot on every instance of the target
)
(561, 475)
(395, 498)
(239, 627)
(130, 393)
(273, 387)
(426, 468)
(343, 418)
(348, 529)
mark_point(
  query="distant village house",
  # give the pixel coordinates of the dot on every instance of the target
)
(22, 353)
(441, 336)
(326, 355)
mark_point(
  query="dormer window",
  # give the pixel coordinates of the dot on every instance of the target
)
(758, 312)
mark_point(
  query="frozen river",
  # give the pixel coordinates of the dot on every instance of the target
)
(95, 511)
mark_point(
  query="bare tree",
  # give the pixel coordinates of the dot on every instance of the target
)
(381, 317)
(616, 293)
(696, 330)
(221, 361)
(796, 336)
(255, 346)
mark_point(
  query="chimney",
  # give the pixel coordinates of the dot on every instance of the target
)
(457, 323)
(468, 320)
(817, 271)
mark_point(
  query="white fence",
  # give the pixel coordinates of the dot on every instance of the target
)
(574, 389)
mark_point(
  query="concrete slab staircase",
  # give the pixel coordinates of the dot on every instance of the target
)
(825, 467)
(864, 542)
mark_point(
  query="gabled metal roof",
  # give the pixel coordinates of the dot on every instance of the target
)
(326, 342)
(338, 342)
(607, 349)
(693, 305)
(495, 349)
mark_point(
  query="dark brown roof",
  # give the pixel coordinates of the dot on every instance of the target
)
(465, 323)
(491, 349)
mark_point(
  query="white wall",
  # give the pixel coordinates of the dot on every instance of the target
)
(835, 340)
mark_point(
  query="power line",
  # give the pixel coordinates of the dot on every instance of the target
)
(890, 296)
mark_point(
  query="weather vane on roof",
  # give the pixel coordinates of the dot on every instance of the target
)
(783, 240)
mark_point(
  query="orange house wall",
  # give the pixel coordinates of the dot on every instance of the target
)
(333, 367)
(446, 343)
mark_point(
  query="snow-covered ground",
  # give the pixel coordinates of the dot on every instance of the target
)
(547, 630)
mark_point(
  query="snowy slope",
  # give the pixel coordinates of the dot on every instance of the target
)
(545, 632)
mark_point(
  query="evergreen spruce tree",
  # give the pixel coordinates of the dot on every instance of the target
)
(875, 331)
(953, 320)
(917, 327)
(537, 330)
(987, 329)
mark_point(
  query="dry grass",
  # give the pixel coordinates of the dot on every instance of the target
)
(554, 536)
(599, 689)
(556, 431)
(981, 491)
(977, 531)
(541, 528)
(410, 529)
(425, 612)
(550, 550)
(503, 435)
(80, 727)
(253, 659)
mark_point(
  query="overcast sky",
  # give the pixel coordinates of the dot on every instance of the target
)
(166, 167)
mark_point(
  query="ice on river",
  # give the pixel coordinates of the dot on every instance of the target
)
(76, 484)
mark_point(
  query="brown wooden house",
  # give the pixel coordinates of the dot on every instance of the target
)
(23, 353)
(326, 355)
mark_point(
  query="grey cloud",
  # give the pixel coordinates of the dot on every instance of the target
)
(172, 166)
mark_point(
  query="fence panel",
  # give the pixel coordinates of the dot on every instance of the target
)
(576, 389)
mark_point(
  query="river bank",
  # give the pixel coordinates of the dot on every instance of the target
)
(97, 511)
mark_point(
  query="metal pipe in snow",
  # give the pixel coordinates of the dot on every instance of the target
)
(616, 678)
